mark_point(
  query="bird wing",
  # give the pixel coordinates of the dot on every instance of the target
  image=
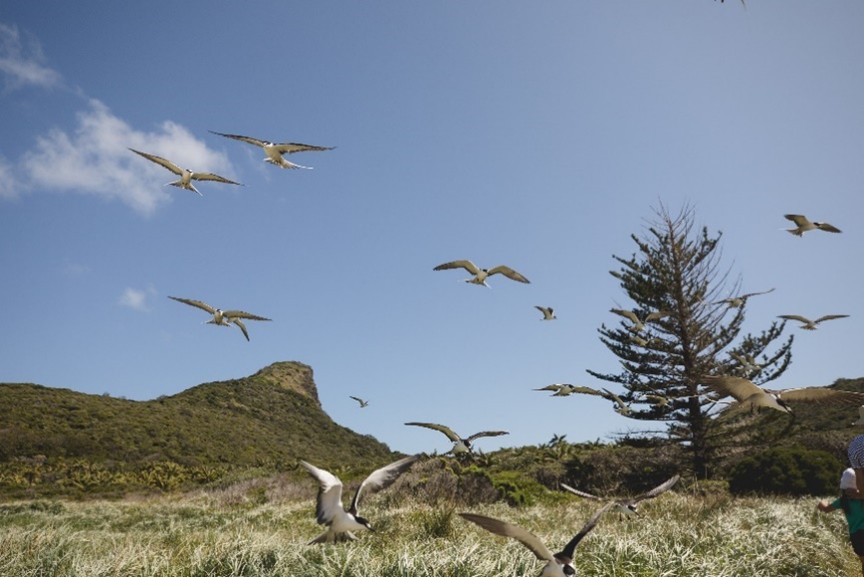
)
(161, 161)
(211, 176)
(586, 390)
(659, 489)
(248, 139)
(446, 430)
(194, 303)
(798, 318)
(358, 399)
(292, 147)
(627, 314)
(827, 227)
(568, 549)
(656, 316)
(242, 326)
(487, 434)
(829, 317)
(822, 395)
(748, 295)
(581, 493)
(508, 272)
(329, 500)
(552, 387)
(243, 315)
(798, 219)
(534, 544)
(466, 264)
(382, 478)
(737, 387)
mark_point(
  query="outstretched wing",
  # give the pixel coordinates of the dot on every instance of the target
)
(738, 388)
(359, 400)
(827, 227)
(568, 549)
(201, 305)
(292, 147)
(164, 162)
(829, 317)
(214, 177)
(466, 264)
(381, 479)
(798, 219)
(822, 395)
(798, 318)
(659, 489)
(242, 138)
(486, 434)
(508, 272)
(446, 430)
(581, 493)
(630, 315)
(243, 315)
(534, 544)
(748, 295)
(242, 326)
(329, 500)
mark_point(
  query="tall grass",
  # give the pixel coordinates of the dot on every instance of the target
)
(219, 535)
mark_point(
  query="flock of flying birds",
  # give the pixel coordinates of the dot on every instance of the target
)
(341, 522)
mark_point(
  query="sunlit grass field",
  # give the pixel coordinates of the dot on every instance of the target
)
(258, 534)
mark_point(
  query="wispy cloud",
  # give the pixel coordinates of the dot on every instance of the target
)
(22, 63)
(136, 299)
(95, 159)
(74, 269)
(8, 185)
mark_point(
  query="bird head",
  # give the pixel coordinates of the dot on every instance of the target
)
(566, 564)
(364, 521)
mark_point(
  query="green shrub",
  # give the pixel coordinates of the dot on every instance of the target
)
(786, 471)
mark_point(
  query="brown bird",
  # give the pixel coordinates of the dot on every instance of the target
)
(751, 396)
(557, 565)
(481, 274)
(803, 224)
(628, 505)
(220, 317)
(809, 325)
(186, 175)
(276, 150)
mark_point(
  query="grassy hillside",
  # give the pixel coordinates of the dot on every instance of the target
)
(267, 420)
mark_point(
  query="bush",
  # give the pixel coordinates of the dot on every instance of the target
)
(787, 471)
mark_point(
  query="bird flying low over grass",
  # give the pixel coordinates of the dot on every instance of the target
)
(751, 396)
(639, 324)
(803, 224)
(363, 403)
(548, 313)
(740, 300)
(186, 175)
(460, 445)
(628, 505)
(481, 274)
(809, 325)
(328, 504)
(223, 318)
(275, 151)
(557, 565)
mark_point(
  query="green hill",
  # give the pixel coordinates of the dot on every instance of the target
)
(52, 439)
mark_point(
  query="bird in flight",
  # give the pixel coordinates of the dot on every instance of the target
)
(628, 505)
(639, 324)
(328, 504)
(548, 313)
(740, 300)
(803, 224)
(186, 175)
(481, 274)
(363, 403)
(557, 565)
(751, 396)
(275, 151)
(460, 445)
(220, 317)
(566, 389)
(809, 325)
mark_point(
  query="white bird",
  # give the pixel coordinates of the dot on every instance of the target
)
(186, 175)
(220, 317)
(740, 300)
(751, 396)
(566, 389)
(363, 403)
(557, 565)
(803, 224)
(809, 325)
(548, 313)
(460, 445)
(629, 505)
(328, 504)
(481, 274)
(276, 150)
(639, 324)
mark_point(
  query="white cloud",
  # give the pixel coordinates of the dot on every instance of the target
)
(136, 299)
(74, 269)
(22, 65)
(95, 159)
(8, 185)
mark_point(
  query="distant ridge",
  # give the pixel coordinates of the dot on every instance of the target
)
(269, 419)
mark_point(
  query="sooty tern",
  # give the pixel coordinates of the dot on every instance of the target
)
(481, 274)
(276, 150)
(186, 175)
(220, 317)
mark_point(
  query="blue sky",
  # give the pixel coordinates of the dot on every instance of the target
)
(533, 134)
